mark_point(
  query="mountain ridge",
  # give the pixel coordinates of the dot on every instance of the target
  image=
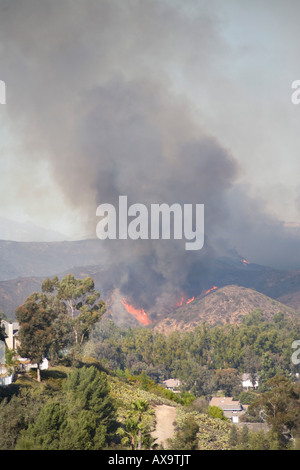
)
(225, 305)
(24, 266)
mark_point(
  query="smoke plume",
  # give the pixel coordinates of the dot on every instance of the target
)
(94, 95)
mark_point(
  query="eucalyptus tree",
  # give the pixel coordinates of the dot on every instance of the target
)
(81, 300)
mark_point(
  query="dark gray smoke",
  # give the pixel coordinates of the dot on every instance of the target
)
(124, 139)
(92, 91)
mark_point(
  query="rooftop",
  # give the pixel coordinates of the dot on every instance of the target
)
(226, 403)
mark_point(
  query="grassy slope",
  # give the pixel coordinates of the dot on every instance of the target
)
(213, 434)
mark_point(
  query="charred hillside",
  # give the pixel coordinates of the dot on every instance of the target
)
(227, 305)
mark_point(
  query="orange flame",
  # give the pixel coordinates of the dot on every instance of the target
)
(184, 301)
(180, 302)
(245, 261)
(209, 290)
(139, 314)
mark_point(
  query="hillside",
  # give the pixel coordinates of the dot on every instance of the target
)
(27, 259)
(291, 299)
(27, 231)
(225, 305)
(13, 292)
(24, 265)
(213, 433)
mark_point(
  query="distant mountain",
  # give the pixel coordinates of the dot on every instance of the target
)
(24, 265)
(15, 291)
(270, 281)
(35, 259)
(228, 304)
(291, 299)
(26, 232)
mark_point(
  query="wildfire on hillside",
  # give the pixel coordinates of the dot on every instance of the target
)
(139, 314)
(210, 290)
(245, 261)
(183, 300)
(142, 316)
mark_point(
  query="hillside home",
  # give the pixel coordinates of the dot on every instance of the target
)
(247, 382)
(172, 384)
(11, 342)
(11, 331)
(2, 358)
(5, 378)
(26, 365)
(232, 409)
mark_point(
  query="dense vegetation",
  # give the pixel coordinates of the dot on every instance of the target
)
(207, 359)
(104, 382)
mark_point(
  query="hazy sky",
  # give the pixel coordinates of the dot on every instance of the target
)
(132, 97)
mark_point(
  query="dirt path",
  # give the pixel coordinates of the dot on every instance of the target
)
(165, 417)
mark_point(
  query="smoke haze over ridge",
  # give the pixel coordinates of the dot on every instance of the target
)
(150, 99)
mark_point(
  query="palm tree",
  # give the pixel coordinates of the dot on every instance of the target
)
(129, 433)
(139, 407)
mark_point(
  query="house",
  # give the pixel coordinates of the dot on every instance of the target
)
(232, 409)
(11, 332)
(172, 384)
(247, 382)
(2, 358)
(5, 379)
(27, 365)
(11, 342)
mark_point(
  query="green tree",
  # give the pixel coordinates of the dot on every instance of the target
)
(129, 433)
(186, 437)
(139, 408)
(12, 422)
(228, 380)
(36, 337)
(258, 441)
(47, 431)
(233, 437)
(216, 412)
(20, 411)
(252, 364)
(81, 300)
(136, 429)
(280, 407)
(91, 414)
(82, 419)
(244, 438)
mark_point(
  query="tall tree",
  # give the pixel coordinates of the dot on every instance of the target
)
(139, 407)
(252, 364)
(228, 380)
(81, 300)
(82, 419)
(186, 438)
(136, 430)
(280, 407)
(129, 432)
(233, 437)
(36, 317)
